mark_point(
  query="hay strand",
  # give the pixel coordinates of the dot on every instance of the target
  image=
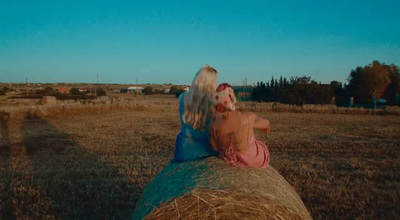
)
(211, 189)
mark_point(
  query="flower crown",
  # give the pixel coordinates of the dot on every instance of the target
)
(223, 99)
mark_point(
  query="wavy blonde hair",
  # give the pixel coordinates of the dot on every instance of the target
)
(197, 111)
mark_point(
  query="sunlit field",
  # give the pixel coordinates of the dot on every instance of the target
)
(95, 164)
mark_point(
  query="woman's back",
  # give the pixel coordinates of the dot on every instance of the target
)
(235, 129)
(188, 129)
(234, 137)
(191, 144)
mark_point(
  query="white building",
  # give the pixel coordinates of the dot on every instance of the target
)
(136, 89)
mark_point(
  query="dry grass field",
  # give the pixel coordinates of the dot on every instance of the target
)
(96, 165)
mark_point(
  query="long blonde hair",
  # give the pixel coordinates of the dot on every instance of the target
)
(197, 110)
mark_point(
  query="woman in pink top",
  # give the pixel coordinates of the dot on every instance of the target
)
(232, 132)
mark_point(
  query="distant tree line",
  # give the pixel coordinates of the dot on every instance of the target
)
(5, 89)
(374, 81)
(148, 90)
(74, 93)
(297, 90)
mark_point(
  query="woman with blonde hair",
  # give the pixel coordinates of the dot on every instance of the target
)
(193, 142)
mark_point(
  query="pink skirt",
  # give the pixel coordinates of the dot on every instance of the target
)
(256, 155)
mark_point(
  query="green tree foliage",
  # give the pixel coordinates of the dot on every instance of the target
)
(46, 91)
(49, 90)
(340, 93)
(303, 90)
(299, 91)
(376, 79)
(100, 92)
(173, 90)
(74, 91)
(369, 81)
(148, 90)
(5, 89)
(180, 91)
(393, 89)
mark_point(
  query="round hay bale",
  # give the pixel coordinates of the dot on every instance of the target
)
(210, 188)
(48, 100)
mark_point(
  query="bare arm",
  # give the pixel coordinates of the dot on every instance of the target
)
(260, 123)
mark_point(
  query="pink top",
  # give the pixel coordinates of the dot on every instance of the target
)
(256, 155)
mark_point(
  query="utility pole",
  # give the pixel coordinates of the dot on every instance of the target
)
(95, 88)
(245, 86)
(137, 87)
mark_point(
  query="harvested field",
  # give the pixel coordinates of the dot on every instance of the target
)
(96, 166)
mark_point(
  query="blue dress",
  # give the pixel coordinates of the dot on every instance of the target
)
(191, 144)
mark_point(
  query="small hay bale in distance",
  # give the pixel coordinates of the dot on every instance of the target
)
(212, 189)
(48, 100)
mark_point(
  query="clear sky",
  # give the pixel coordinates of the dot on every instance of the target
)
(168, 41)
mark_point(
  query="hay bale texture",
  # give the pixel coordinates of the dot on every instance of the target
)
(48, 100)
(212, 189)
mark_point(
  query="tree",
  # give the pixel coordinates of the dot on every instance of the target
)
(180, 91)
(49, 90)
(285, 82)
(303, 90)
(74, 91)
(100, 92)
(393, 88)
(370, 81)
(272, 83)
(377, 78)
(173, 90)
(5, 89)
(337, 89)
(354, 86)
(148, 90)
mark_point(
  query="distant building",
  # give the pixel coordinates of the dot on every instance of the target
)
(64, 90)
(243, 93)
(186, 88)
(86, 90)
(166, 91)
(136, 89)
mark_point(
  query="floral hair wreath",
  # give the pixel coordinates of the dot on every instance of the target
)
(223, 99)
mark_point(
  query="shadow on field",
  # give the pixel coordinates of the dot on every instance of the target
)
(76, 181)
(6, 209)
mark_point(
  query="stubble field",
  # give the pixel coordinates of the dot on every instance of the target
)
(96, 166)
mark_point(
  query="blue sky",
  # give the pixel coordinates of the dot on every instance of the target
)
(168, 41)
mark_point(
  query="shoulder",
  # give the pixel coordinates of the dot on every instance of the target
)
(185, 97)
(182, 95)
(246, 114)
(249, 116)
